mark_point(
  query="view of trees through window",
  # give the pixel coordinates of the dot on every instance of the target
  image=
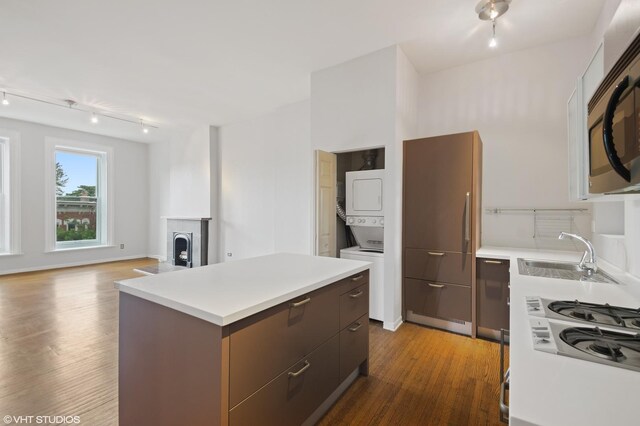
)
(76, 196)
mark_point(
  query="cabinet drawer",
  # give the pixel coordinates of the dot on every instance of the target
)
(492, 286)
(354, 345)
(438, 300)
(431, 265)
(354, 304)
(289, 400)
(267, 343)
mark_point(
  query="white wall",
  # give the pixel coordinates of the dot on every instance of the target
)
(518, 103)
(180, 183)
(371, 102)
(159, 198)
(131, 199)
(265, 184)
(189, 173)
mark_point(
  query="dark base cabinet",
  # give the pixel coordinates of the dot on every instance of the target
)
(492, 285)
(438, 300)
(282, 366)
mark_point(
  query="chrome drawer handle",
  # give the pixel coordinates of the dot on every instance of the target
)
(300, 303)
(435, 285)
(356, 327)
(358, 278)
(495, 262)
(302, 370)
(433, 253)
(356, 295)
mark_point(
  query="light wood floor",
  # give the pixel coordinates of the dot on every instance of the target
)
(58, 356)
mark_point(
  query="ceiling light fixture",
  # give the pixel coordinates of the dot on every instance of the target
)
(491, 10)
(493, 42)
(70, 104)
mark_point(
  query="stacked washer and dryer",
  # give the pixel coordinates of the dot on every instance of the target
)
(365, 216)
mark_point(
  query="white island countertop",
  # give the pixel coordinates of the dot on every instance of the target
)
(549, 389)
(227, 292)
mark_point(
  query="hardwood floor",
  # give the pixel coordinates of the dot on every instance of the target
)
(58, 342)
(58, 356)
(423, 376)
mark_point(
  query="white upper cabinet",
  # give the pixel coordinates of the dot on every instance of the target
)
(577, 127)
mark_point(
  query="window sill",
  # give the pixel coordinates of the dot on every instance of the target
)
(97, 246)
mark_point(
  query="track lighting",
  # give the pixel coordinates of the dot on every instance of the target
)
(70, 104)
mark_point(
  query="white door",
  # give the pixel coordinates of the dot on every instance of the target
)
(326, 203)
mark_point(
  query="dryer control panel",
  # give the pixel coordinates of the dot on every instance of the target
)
(365, 221)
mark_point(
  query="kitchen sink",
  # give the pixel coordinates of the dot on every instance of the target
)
(561, 270)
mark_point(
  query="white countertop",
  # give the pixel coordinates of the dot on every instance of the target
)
(549, 389)
(227, 292)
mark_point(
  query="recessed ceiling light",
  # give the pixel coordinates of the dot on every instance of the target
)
(94, 118)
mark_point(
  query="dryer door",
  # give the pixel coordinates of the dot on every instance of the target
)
(364, 193)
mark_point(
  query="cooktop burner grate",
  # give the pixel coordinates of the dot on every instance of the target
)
(596, 313)
(611, 345)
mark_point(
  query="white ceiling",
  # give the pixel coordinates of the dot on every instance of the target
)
(181, 63)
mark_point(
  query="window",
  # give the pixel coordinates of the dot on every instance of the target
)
(4, 196)
(78, 180)
(9, 192)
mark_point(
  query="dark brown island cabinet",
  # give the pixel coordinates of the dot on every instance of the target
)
(283, 366)
(441, 230)
(492, 284)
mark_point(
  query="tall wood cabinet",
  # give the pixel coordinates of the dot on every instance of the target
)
(441, 229)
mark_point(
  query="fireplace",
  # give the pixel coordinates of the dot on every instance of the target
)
(187, 242)
(182, 254)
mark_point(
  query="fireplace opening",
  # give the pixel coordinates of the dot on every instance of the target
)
(182, 249)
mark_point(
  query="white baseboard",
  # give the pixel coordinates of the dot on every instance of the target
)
(159, 257)
(71, 264)
(392, 326)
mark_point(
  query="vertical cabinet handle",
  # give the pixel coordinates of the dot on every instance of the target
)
(467, 218)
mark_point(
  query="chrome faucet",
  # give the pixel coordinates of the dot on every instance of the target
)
(588, 261)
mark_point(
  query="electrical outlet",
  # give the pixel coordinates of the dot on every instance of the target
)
(121, 246)
(229, 254)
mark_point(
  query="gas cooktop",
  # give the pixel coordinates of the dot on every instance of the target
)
(615, 348)
(593, 332)
(597, 314)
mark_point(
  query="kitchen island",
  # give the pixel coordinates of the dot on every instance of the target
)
(268, 340)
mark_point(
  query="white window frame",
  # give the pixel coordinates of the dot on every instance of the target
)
(10, 193)
(104, 218)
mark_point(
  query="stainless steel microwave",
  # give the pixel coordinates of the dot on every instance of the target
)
(614, 127)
